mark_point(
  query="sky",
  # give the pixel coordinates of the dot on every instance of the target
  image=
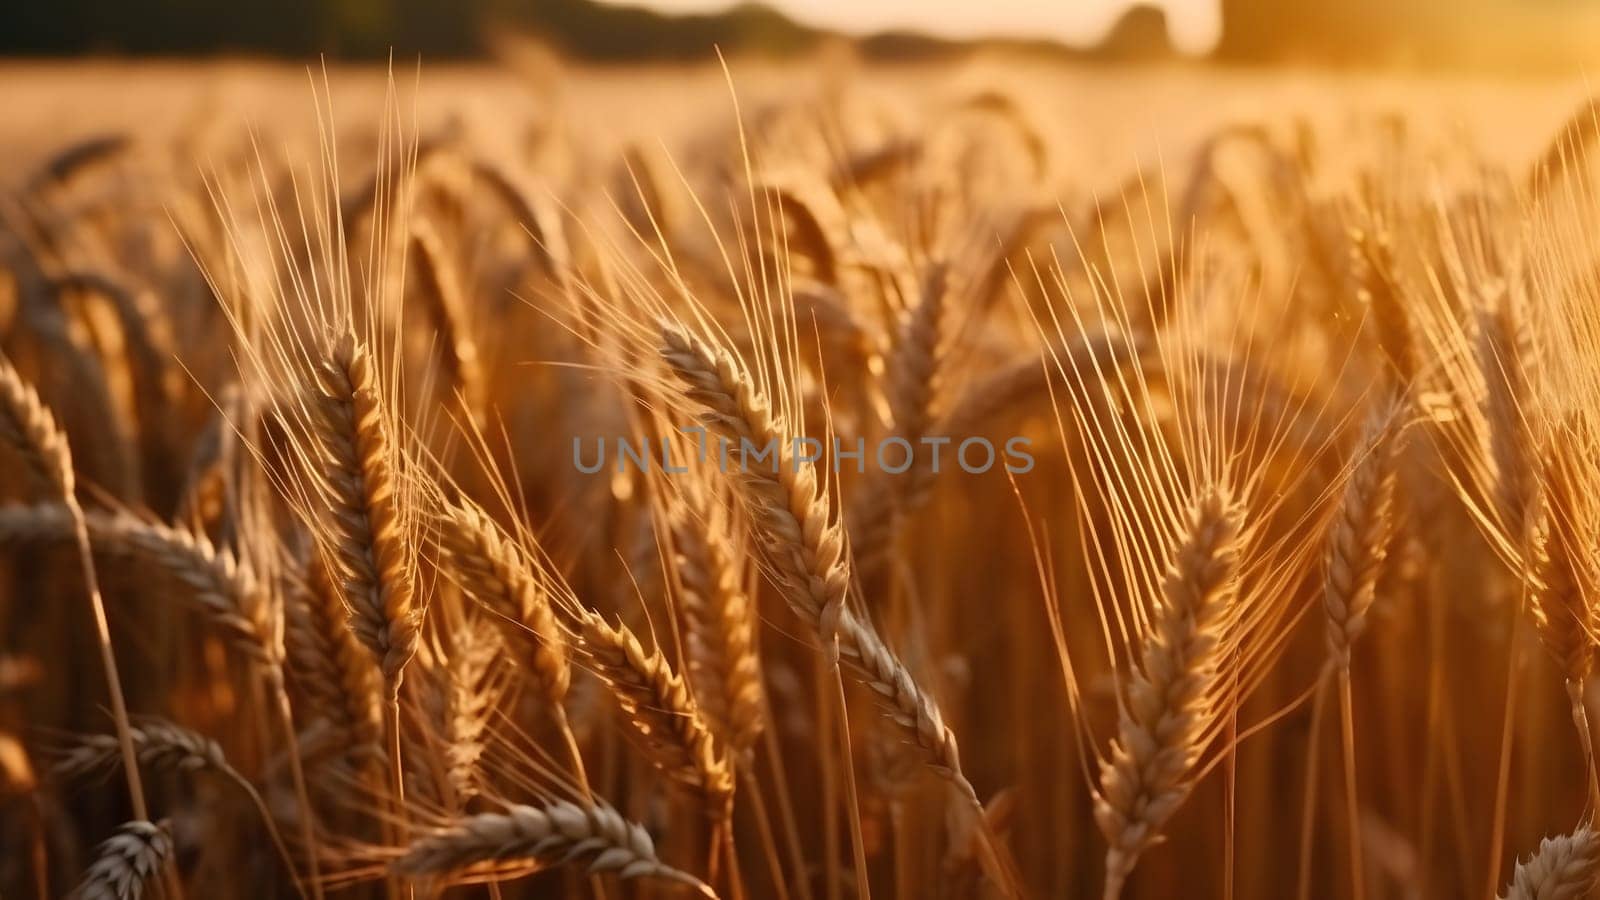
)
(1195, 25)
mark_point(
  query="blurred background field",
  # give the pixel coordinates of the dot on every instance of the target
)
(1097, 116)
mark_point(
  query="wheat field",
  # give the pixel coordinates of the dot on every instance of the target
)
(807, 480)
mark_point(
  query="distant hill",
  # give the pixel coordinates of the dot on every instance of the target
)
(1140, 34)
(1562, 35)
(602, 31)
(592, 30)
(367, 29)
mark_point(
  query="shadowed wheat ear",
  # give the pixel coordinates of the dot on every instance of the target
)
(912, 381)
(1358, 542)
(1380, 289)
(331, 668)
(29, 429)
(471, 694)
(1170, 700)
(161, 745)
(1564, 868)
(492, 570)
(803, 546)
(1562, 577)
(554, 833)
(446, 309)
(1561, 571)
(125, 862)
(209, 580)
(719, 624)
(658, 708)
(1505, 355)
(33, 433)
(167, 747)
(366, 539)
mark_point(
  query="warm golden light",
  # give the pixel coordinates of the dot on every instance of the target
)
(799, 449)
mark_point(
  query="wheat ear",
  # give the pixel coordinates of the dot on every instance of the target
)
(1169, 703)
(1561, 571)
(554, 833)
(29, 429)
(366, 536)
(1372, 258)
(1564, 868)
(470, 695)
(160, 745)
(1562, 577)
(1505, 356)
(804, 545)
(446, 311)
(125, 862)
(492, 570)
(332, 668)
(720, 627)
(1358, 541)
(658, 708)
(912, 381)
(804, 548)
